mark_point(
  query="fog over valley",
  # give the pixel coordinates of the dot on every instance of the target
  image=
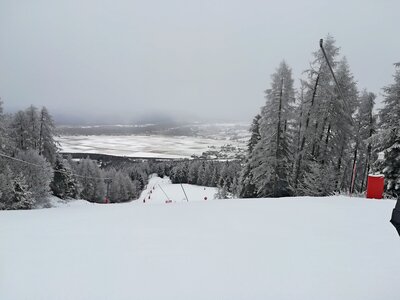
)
(125, 61)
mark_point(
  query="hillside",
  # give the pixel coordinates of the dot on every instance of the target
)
(288, 248)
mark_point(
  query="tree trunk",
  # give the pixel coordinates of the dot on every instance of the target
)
(321, 136)
(339, 164)
(369, 152)
(367, 167)
(300, 156)
(353, 174)
(328, 133)
(300, 122)
(41, 134)
(278, 137)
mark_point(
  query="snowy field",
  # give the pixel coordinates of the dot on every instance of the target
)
(140, 145)
(290, 248)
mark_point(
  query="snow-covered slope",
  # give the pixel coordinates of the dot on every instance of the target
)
(160, 190)
(291, 248)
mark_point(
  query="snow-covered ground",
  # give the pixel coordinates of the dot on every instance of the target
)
(289, 248)
(160, 190)
(141, 145)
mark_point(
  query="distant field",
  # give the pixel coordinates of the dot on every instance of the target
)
(151, 146)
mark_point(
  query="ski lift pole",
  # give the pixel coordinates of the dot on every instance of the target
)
(321, 41)
(184, 193)
(163, 192)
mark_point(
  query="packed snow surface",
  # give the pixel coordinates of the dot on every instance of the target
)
(288, 248)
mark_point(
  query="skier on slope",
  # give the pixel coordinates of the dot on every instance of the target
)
(396, 216)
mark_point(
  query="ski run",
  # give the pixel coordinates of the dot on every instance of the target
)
(289, 248)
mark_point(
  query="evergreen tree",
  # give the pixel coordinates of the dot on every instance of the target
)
(390, 136)
(5, 143)
(193, 172)
(246, 186)
(136, 189)
(21, 196)
(318, 181)
(14, 193)
(19, 129)
(208, 172)
(299, 112)
(47, 146)
(122, 188)
(328, 125)
(32, 120)
(214, 176)
(179, 173)
(255, 133)
(223, 180)
(64, 184)
(336, 147)
(38, 174)
(270, 159)
(139, 173)
(201, 175)
(365, 127)
(92, 187)
(235, 189)
(317, 93)
(222, 192)
(6, 187)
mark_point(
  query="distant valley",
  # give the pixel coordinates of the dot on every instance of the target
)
(174, 141)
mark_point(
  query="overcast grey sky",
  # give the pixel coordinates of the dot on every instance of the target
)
(206, 59)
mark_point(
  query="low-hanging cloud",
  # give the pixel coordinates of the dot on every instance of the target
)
(123, 60)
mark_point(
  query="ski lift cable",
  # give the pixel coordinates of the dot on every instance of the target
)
(56, 171)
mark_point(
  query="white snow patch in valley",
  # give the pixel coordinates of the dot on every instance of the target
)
(289, 248)
(141, 145)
